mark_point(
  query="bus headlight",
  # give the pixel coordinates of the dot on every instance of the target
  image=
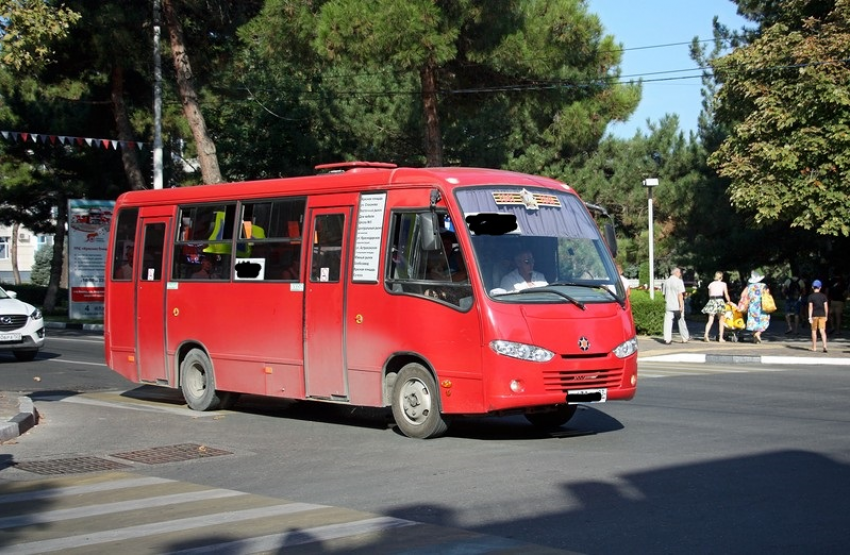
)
(626, 348)
(521, 351)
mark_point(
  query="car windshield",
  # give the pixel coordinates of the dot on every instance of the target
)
(538, 245)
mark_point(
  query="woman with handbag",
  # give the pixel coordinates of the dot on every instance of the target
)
(757, 318)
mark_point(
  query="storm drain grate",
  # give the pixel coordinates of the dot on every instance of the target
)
(171, 453)
(70, 466)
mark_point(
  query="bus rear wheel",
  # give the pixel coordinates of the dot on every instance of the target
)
(552, 419)
(416, 403)
(198, 383)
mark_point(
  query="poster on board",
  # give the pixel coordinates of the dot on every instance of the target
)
(88, 240)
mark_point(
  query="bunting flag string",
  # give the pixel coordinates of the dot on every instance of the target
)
(107, 144)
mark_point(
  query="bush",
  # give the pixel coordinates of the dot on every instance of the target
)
(648, 313)
(40, 271)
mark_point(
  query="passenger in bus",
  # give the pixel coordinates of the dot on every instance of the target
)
(292, 269)
(524, 275)
(206, 270)
(125, 271)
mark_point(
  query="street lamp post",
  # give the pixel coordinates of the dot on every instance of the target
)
(649, 183)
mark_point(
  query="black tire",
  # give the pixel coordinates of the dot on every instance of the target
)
(198, 382)
(416, 403)
(25, 356)
(553, 419)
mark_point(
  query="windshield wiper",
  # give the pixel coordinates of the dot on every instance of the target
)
(620, 301)
(547, 289)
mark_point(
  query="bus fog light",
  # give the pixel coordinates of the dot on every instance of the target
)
(517, 386)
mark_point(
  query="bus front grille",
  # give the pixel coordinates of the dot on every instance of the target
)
(566, 380)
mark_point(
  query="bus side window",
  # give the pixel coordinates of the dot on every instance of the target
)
(123, 249)
(327, 248)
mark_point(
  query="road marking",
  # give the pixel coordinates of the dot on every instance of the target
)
(75, 362)
(119, 512)
(652, 369)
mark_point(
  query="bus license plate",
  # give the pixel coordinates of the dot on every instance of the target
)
(587, 396)
(10, 337)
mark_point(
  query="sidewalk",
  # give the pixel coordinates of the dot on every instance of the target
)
(18, 415)
(776, 348)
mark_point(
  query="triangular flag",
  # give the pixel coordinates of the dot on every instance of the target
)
(25, 136)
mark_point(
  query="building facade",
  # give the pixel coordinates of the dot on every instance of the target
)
(28, 244)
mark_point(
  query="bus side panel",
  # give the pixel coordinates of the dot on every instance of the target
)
(252, 332)
(384, 324)
(119, 337)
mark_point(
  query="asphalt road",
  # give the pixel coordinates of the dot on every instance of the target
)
(707, 458)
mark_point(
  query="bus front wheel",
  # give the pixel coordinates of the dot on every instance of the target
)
(198, 383)
(416, 403)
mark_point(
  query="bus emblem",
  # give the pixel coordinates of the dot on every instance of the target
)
(583, 343)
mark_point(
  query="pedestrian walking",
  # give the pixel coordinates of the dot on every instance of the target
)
(718, 296)
(674, 306)
(818, 313)
(757, 318)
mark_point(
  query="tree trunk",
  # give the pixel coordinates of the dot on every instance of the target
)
(129, 155)
(210, 172)
(16, 275)
(57, 263)
(433, 140)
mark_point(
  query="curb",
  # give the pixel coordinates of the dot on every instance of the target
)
(27, 418)
(73, 326)
(744, 359)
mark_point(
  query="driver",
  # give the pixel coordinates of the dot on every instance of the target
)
(524, 276)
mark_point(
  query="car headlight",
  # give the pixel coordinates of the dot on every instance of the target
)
(627, 348)
(521, 351)
(36, 314)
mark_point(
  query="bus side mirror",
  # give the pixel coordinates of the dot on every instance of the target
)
(429, 232)
(611, 239)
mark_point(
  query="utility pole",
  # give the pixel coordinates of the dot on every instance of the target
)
(157, 99)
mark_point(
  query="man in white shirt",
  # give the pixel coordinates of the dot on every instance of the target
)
(674, 306)
(524, 275)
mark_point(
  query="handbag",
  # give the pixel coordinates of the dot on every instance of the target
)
(768, 305)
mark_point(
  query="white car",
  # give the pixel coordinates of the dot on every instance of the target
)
(21, 326)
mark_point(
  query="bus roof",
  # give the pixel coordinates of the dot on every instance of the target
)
(360, 177)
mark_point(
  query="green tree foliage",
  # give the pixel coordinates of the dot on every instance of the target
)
(40, 272)
(785, 94)
(516, 83)
(28, 28)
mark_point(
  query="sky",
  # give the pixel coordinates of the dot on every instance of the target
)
(638, 24)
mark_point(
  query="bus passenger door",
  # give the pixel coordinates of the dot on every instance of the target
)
(150, 301)
(324, 310)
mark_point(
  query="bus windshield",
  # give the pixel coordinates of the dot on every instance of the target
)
(536, 245)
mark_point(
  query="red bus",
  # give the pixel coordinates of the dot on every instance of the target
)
(438, 292)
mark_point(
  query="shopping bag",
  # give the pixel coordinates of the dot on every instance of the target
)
(768, 305)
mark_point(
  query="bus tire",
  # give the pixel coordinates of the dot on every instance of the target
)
(416, 403)
(552, 420)
(198, 382)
